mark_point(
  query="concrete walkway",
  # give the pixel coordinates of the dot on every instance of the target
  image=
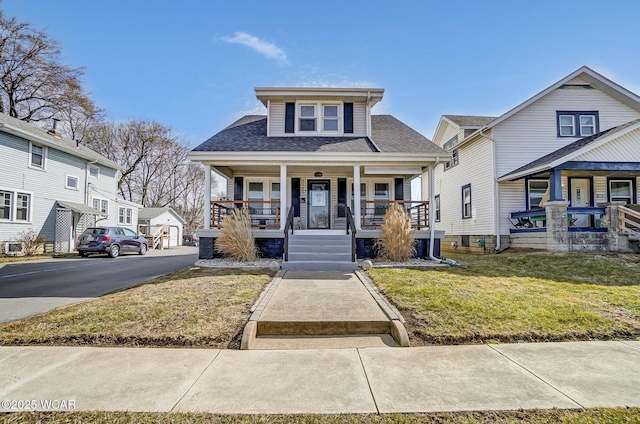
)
(370, 380)
(320, 309)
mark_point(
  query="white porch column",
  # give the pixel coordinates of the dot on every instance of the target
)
(207, 197)
(357, 215)
(284, 206)
(431, 210)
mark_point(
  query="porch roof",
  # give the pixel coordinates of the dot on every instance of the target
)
(571, 151)
(389, 135)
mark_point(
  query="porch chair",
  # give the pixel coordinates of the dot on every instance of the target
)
(523, 222)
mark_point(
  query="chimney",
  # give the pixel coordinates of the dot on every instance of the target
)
(54, 131)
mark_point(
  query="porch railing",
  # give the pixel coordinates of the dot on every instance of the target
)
(628, 220)
(264, 213)
(372, 212)
(527, 221)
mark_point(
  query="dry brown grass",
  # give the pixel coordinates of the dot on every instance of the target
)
(190, 308)
(236, 238)
(397, 243)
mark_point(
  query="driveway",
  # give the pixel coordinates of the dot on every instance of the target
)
(33, 287)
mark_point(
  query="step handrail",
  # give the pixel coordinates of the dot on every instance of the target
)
(351, 224)
(288, 227)
(628, 220)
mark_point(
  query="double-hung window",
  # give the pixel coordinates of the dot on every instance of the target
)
(307, 118)
(466, 201)
(125, 216)
(577, 124)
(621, 191)
(256, 194)
(71, 182)
(36, 156)
(15, 206)
(101, 204)
(536, 192)
(381, 197)
(275, 196)
(437, 208)
(363, 196)
(330, 117)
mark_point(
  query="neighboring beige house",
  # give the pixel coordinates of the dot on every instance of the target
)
(318, 162)
(568, 152)
(162, 220)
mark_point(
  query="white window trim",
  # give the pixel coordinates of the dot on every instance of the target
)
(593, 126)
(66, 182)
(464, 203)
(94, 167)
(13, 211)
(573, 125)
(631, 187)
(101, 199)
(125, 209)
(44, 157)
(266, 191)
(319, 117)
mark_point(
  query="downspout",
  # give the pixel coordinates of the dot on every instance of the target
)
(496, 192)
(432, 201)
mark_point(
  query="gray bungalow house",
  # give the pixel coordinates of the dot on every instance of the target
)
(317, 174)
(55, 187)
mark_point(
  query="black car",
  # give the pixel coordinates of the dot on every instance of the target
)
(190, 240)
(112, 241)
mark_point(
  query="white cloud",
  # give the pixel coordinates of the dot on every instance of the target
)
(269, 50)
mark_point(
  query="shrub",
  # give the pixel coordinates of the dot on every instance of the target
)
(396, 243)
(32, 242)
(236, 239)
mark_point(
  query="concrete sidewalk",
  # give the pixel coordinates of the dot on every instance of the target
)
(369, 380)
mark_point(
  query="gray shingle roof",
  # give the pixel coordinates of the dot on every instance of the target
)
(63, 144)
(470, 121)
(569, 148)
(150, 213)
(249, 134)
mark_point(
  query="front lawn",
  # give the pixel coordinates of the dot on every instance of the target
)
(196, 307)
(514, 297)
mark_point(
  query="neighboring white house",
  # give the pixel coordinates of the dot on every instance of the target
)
(305, 162)
(164, 220)
(566, 152)
(53, 186)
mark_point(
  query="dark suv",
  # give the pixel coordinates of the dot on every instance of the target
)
(111, 240)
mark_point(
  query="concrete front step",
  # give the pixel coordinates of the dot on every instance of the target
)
(317, 328)
(319, 265)
(321, 248)
(348, 341)
(320, 256)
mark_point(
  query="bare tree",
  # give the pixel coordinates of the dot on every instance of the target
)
(34, 84)
(157, 170)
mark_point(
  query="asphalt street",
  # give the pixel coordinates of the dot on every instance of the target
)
(33, 287)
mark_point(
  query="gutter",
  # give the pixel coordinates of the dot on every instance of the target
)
(496, 192)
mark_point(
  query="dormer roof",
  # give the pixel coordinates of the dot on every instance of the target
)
(350, 95)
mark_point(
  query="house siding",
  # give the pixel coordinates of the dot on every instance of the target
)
(47, 186)
(475, 168)
(532, 132)
(359, 119)
(626, 146)
(276, 119)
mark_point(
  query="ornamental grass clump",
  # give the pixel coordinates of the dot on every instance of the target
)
(396, 244)
(236, 238)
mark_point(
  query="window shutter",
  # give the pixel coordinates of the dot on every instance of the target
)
(238, 188)
(348, 118)
(295, 196)
(289, 117)
(342, 197)
(399, 183)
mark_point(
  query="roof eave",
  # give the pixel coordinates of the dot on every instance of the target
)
(8, 128)
(342, 157)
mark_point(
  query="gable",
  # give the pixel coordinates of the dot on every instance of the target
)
(625, 148)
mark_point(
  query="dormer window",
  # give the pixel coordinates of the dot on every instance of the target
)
(307, 118)
(577, 124)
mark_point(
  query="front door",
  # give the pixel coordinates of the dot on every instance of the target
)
(318, 204)
(580, 197)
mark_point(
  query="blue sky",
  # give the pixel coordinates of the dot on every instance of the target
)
(192, 65)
